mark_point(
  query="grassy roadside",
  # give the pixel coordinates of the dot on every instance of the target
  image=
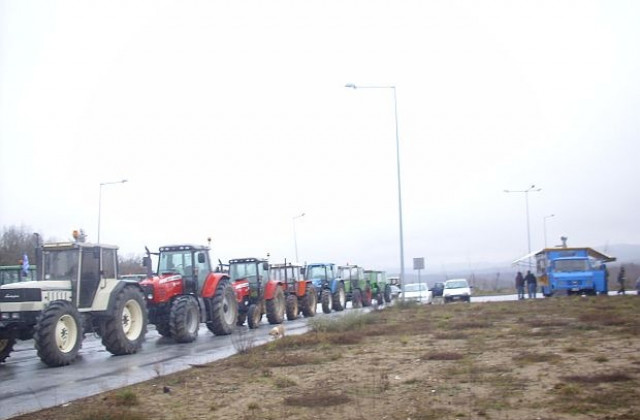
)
(561, 358)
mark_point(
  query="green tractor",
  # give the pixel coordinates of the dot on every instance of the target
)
(356, 285)
(16, 273)
(380, 287)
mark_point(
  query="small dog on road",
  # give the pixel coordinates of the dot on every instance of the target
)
(277, 332)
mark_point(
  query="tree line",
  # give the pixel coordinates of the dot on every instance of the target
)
(16, 241)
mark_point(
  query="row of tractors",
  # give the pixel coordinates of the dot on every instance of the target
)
(78, 292)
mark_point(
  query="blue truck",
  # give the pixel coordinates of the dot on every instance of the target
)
(565, 270)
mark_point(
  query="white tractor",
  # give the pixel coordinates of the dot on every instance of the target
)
(77, 291)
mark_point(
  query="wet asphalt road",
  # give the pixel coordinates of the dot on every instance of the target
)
(27, 384)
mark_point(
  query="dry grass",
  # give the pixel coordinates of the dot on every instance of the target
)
(564, 358)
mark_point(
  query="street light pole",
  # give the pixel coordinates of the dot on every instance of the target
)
(100, 201)
(544, 223)
(526, 192)
(395, 108)
(295, 236)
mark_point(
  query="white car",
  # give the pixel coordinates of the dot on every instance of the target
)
(456, 289)
(417, 291)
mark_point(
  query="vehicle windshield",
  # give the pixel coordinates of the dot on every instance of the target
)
(456, 284)
(61, 264)
(567, 266)
(175, 262)
(278, 273)
(415, 287)
(315, 272)
(243, 271)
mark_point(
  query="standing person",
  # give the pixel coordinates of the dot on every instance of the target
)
(532, 284)
(520, 285)
(621, 280)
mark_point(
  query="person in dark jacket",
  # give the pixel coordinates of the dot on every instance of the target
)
(520, 285)
(621, 280)
(532, 284)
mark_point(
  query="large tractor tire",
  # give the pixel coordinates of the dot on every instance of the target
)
(367, 296)
(184, 320)
(387, 293)
(356, 298)
(276, 307)
(126, 326)
(58, 334)
(254, 316)
(309, 302)
(224, 310)
(327, 301)
(292, 307)
(6, 347)
(340, 299)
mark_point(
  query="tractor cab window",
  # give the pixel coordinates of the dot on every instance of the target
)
(109, 263)
(316, 272)
(202, 268)
(244, 271)
(89, 276)
(177, 262)
(61, 264)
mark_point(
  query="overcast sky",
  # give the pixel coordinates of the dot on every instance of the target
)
(230, 118)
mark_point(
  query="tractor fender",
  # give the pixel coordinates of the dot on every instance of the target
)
(270, 289)
(335, 284)
(211, 284)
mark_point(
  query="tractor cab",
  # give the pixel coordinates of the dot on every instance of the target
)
(84, 266)
(185, 264)
(249, 273)
(289, 274)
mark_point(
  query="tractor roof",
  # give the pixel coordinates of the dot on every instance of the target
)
(183, 247)
(71, 245)
(246, 260)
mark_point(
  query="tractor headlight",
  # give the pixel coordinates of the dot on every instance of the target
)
(15, 315)
(5, 316)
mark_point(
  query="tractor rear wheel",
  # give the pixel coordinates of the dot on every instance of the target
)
(310, 302)
(58, 334)
(387, 293)
(184, 320)
(125, 328)
(6, 347)
(224, 309)
(292, 307)
(276, 307)
(340, 299)
(254, 316)
(356, 298)
(327, 301)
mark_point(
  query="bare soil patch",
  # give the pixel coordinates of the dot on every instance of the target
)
(559, 358)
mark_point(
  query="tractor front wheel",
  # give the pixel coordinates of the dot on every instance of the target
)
(125, 328)
(356, 298)
(224, 310)
(387, 293)
(6, 347)
(310, 302)
(327, 301)
(254, 316)
(340, 299)
(58, 334)
(184, 320)
(276, 307)
(292, 307)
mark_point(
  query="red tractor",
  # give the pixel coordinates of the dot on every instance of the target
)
(186, 291)
(301, 296)
(256, 292)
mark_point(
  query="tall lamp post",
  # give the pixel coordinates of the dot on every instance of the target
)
(395, 108)
(295, 236)
(526, 192)
(102, 184)
(544, 224)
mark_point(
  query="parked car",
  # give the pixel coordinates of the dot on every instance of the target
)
(456, 289)
(417, 291)
(395, 291)
(437, 289)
